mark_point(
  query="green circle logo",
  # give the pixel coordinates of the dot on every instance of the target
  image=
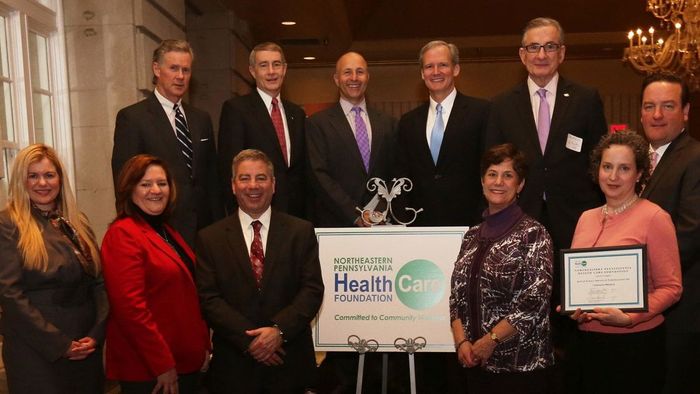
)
(420, 284)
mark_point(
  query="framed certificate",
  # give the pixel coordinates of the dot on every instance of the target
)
(604, 277)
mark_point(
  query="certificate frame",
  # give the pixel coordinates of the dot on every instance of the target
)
(604, 277)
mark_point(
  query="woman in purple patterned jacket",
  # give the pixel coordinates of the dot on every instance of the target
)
(501, 286)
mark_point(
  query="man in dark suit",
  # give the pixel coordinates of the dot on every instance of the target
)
(440, 150)
(348, 144)
(262, 120)
(151, 126)
(675, 186)
(558, 142)
(259, 282)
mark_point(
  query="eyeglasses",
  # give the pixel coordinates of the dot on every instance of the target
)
(548, 47)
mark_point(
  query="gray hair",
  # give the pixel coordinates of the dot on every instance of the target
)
(543, 22)
(454, 51)
(265, 46)
(254, 155)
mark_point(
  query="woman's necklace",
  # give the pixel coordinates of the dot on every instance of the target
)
(622, 208)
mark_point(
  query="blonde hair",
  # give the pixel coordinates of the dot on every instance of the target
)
(31, 243)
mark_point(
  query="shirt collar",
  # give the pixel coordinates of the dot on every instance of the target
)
(246, 219)
(551, 86)
(348, 106)
(447, 103)
(267, 99)
(167, 104)
(660, 150)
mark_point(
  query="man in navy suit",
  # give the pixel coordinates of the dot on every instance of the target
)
(150, 126)
(675, 186)
(263, 120)
(439, 150)
(259, 282)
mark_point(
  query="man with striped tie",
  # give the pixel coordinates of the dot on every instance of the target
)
(164, 126)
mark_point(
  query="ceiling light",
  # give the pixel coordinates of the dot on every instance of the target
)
(289, 23)
(309, 57)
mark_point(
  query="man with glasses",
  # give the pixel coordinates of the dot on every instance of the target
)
(556, 123)
(263, 120)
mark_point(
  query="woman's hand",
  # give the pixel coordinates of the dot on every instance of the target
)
(611, 317)
(465, 355)
(80, 349)
(207, 360)
(483, 349)
(166, 383)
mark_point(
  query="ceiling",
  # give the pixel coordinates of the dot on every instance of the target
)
(394, 30)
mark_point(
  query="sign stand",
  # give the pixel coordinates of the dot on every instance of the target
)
(411, 346)
(363, 346)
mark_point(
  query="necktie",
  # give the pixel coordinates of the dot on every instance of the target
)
(437, 134)
(361, 136)
(543, 119)
(257, 257)
(279, 127)
(182, 132)
(654, 158)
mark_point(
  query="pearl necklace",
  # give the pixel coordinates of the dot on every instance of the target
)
(622, 208)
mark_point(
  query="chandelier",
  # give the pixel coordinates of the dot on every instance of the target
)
(679, 52)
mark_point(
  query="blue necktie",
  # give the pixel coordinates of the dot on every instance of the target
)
(437, 134)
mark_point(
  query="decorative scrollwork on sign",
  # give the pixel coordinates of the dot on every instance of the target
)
(410, 345)
(362, 345)
(373, 217)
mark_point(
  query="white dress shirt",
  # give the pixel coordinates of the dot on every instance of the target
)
(248, 231)
(447, 105)
(267, 99)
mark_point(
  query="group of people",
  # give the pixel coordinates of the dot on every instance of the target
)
(532, 172)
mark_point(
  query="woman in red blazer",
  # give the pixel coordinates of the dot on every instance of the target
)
(156, 337)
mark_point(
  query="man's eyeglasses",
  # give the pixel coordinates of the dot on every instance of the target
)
(548, 47)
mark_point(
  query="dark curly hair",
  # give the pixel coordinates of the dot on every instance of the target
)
(632, 139)
(500, 153)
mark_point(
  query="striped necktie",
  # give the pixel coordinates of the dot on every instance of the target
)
(183, 137)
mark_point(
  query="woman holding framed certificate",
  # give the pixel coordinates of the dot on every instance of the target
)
(501, 286)
(622, 351)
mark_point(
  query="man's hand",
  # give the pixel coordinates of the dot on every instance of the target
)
(266, 348)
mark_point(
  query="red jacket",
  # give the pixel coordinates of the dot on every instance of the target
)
(155, 322)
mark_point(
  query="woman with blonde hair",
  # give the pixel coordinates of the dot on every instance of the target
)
(53, 300)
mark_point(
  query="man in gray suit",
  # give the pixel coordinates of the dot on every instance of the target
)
(348, 144)
(162, 125)
(675, 186)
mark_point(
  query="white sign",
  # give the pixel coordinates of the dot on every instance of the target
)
(384, 283)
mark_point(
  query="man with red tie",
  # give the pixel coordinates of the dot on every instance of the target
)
(263, 120)
(259, 282)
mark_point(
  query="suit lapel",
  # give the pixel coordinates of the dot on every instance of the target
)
(239, 249)
(561, 107)
(347, 137)
(159, 243)
(275, 239)
(524, 107)
(378, 137)
(665, 164)
(261, 112)
(294, 130)
(163, 126)
(419, 135)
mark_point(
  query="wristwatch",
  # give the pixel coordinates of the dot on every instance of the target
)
(494, 337)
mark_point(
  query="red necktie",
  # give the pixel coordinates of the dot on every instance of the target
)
(257, 256)
(279, 127)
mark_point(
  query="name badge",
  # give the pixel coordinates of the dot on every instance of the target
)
(574, 143)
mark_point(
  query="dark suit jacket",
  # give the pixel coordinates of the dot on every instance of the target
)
(675, 187)
(290, 296)
(449, 192)
(337, 172)
(144, 128)
(561, 173)
(246, 124)
(42, 312)
(155, 322)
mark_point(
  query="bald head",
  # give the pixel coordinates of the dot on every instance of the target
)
(351, 76)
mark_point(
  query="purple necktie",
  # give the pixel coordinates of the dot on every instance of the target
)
(361, 136)
(543, 119)
(654, 159)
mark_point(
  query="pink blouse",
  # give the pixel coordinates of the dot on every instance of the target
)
(643, 223)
